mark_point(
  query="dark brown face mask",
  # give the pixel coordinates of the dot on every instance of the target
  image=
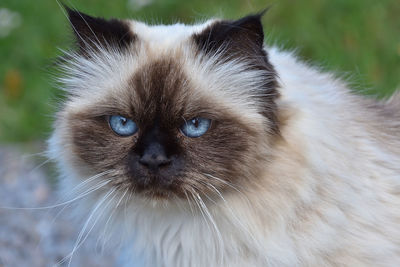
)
(160, 158)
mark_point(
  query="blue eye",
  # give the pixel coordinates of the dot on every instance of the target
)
(122, 126)
(195, 127)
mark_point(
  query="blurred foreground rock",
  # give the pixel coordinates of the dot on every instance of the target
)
(36, 237)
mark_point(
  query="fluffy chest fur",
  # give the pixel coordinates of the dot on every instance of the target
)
(293, 169)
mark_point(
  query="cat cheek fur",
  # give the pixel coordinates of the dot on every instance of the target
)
(299, 172)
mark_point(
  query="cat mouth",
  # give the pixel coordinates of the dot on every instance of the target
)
(158, 194)
(159, 186)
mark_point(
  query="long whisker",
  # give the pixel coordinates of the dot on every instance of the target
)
(60, 204)
(218, 233)
(94, 188)
(126, 209)
(78, 242)
(86, 181)
(228, 184)
(81, 233)
(81, 185)
(103, 234)
(206, 214)
(192, 193)
(207, 196)
(39, 166)
(88, 191)
(222, 181)
(243, 227)
(85, 193)
(39, 154)
(189, 202)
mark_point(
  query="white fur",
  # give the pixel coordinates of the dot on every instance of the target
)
(329, 197)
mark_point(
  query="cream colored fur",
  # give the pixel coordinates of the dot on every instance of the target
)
(329, 195)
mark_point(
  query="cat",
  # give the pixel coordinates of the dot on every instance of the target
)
(198, 145)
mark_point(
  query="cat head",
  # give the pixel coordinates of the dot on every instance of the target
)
(166, 111)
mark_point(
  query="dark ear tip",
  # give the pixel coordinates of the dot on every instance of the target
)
(261, 13)
(256, 17)
(66, 7)
(73, 14)
(70, 12)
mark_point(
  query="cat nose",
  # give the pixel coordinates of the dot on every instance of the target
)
(154, 157)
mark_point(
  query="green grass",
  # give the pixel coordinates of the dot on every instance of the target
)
(357, 37)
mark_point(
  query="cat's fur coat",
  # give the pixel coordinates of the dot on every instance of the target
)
(318, 178)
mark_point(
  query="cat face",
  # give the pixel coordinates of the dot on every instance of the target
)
(167, 110)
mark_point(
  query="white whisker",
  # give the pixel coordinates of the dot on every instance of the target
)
(228, 184)
(78, 242)
(220, 241)
(86, 181)
(243, 227)
(200, 209)
(103, 234)
(189, 202)
(59, 204)
(39, 166)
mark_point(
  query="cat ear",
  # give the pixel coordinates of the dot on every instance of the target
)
(242, 37)
(93, 33)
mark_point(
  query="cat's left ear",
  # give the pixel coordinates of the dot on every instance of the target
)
(243, 37)
(93, 33)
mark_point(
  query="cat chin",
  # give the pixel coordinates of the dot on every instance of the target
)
(157, 202)
(158, 196)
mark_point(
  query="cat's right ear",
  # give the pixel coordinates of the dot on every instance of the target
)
(94, 33)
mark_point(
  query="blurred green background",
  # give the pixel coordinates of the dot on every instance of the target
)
(358, 39)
